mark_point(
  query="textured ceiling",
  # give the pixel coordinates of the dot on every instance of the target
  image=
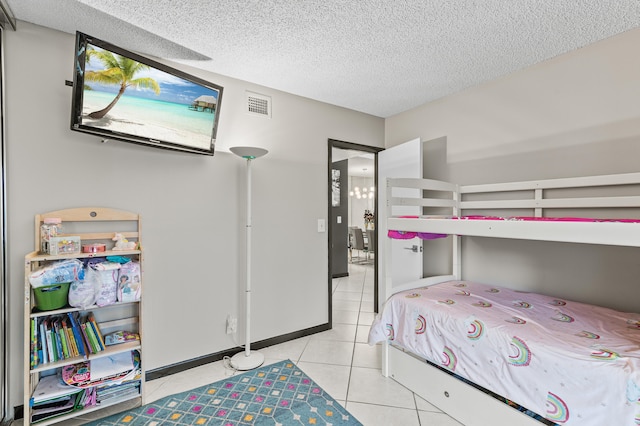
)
(380, 57)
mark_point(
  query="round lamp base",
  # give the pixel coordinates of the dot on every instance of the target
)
(241, 361)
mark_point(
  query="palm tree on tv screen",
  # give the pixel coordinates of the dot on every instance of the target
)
(118, 70)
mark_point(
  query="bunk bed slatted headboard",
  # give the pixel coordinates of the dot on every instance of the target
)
(450, 191)
(537, 192)
(522, 195)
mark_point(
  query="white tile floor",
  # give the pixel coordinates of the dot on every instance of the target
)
(339, 360)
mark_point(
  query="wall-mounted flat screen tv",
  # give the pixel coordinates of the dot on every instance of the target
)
(121, 95)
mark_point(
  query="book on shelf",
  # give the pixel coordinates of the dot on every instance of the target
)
(68, 332)
(124, 390)
(108, 370)
(92, 320)
(52, 397)
(55, 338)
(83, 330)
(120, 336)
(74, 342)
(43, 342)
(33, 342)
(60, 337)
(56, 341)
(63, 339)
(50, 342)
(54, 409)
(50, 388)
(89, 397)
(75, 326)
(95, 346)
(92, 333)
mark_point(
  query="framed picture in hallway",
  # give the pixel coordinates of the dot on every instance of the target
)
(335, 188)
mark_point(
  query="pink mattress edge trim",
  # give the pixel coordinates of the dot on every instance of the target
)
(407, 235)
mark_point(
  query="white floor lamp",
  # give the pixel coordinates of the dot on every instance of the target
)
(248, 360)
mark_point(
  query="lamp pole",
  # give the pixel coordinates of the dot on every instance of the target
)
(248, 360)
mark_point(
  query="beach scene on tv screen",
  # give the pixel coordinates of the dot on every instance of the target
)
(125, 96)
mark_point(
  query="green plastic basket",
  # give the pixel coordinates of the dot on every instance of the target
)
(52, 296)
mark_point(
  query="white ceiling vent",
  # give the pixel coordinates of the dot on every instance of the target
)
(259, 104)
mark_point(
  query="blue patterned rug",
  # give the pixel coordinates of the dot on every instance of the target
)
(278, 394)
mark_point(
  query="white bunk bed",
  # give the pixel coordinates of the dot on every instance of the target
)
(418, 371)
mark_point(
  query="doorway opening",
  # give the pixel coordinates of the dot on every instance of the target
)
(353, 200)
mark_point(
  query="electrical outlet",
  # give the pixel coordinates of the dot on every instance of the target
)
(232, 324)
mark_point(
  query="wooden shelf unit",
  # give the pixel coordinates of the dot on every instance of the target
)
(92, 225)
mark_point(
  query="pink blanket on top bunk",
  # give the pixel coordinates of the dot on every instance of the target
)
(571, 362)
(407, 235)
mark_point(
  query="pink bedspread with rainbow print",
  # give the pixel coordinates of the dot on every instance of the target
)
(572, 363)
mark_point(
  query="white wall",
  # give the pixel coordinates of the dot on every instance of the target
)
(192, 206)
(577, 114)
(587, 96)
